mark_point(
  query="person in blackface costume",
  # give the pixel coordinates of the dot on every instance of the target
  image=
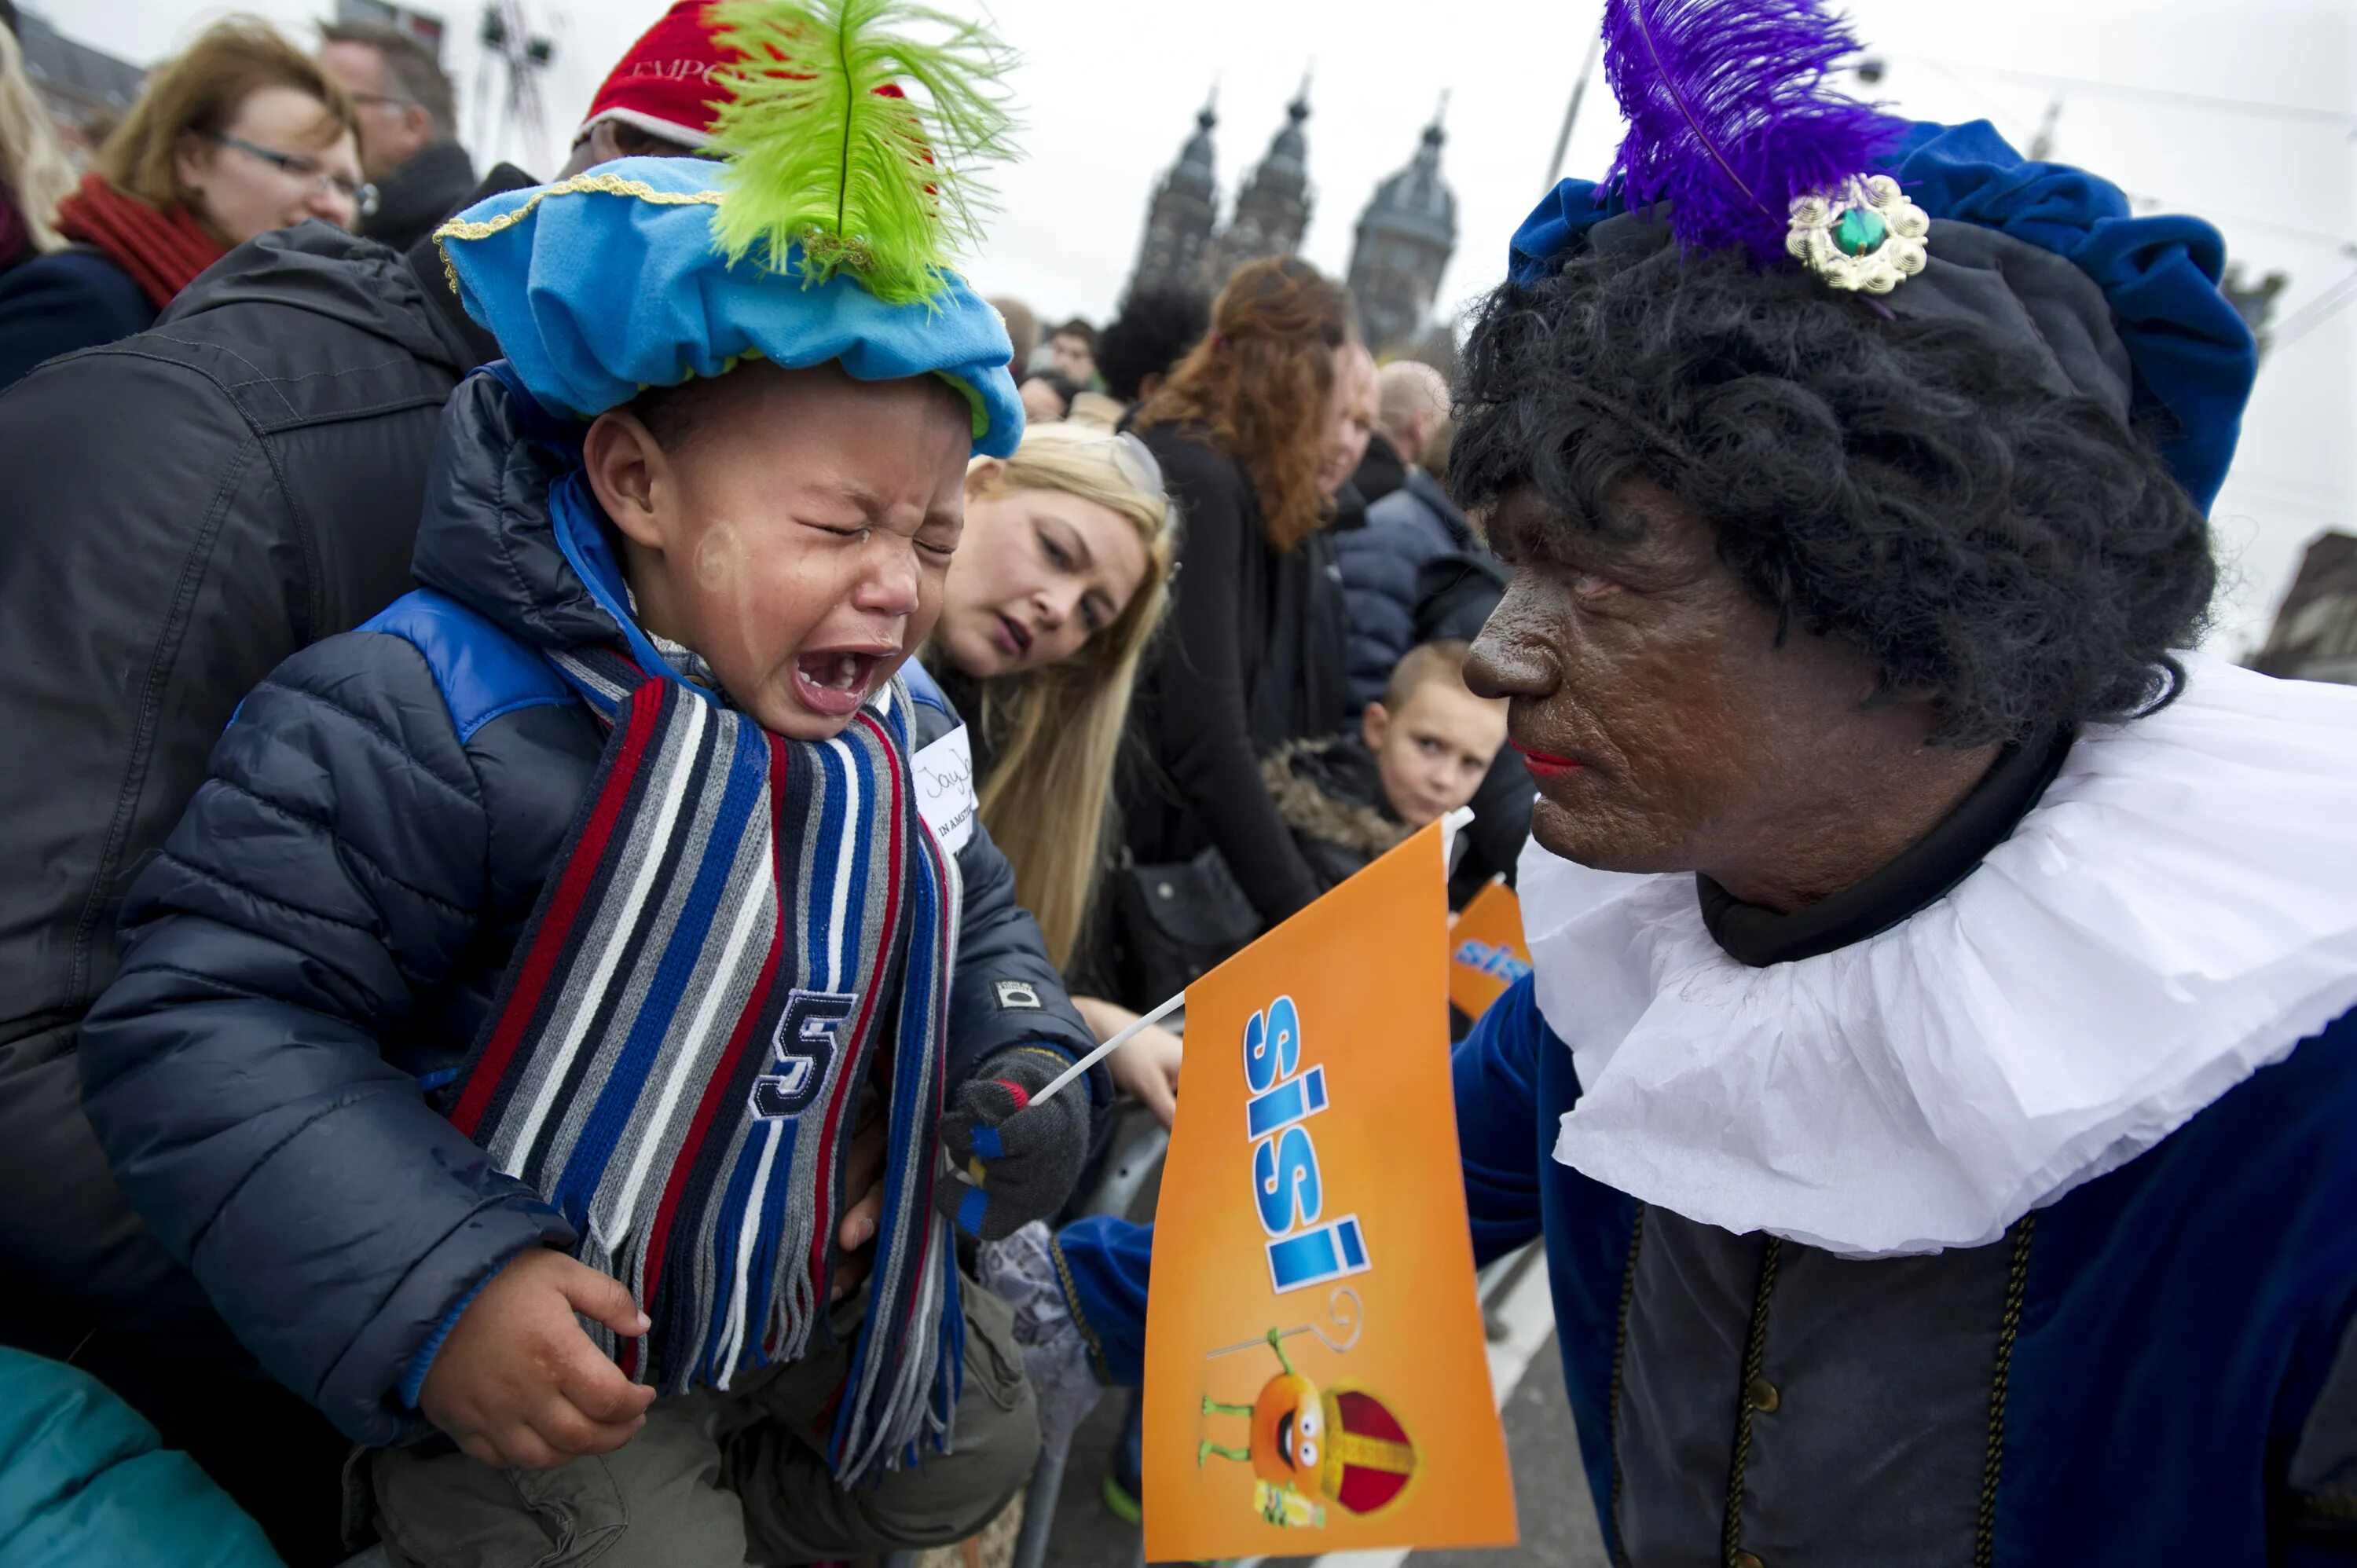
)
(1937, 1089)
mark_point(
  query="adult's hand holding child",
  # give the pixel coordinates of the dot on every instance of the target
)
(519, 1385)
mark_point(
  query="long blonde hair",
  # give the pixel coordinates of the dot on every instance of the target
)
(1057, 730)
(33, 162)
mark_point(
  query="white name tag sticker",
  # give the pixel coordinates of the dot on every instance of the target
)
(944, 777)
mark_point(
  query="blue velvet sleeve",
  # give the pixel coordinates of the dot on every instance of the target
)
(1496, 1075)
(1105, 1263)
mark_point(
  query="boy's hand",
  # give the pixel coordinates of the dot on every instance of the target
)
(862, 1181)
(519, 1385)
(1016, 1161)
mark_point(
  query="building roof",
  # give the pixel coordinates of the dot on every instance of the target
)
(1193, 169)
(1288, 150)
(74, 71)
(1415, 201)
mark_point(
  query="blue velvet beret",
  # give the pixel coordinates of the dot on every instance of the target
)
(607, 283)
(2191, 353)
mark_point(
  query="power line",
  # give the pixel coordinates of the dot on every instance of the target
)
(2315, 313)
(2336, 117)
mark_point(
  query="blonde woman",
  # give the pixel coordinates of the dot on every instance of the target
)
(241, 134)
(34, 168)
(1056, 591)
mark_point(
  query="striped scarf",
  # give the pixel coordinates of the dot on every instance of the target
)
(740, 932)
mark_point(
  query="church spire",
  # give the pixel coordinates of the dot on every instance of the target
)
(1183, 212)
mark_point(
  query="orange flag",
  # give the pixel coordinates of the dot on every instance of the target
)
(1486, 952)
(1316, 1378)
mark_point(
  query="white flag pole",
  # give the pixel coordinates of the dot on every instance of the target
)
(1120, 1039)
(1451, 826)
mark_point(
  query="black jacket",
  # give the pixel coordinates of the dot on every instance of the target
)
(1411, 522)
(1252, 658)
(1381, 471)
(186, 509)
(68, 299)
(327, 927)
(412, 201)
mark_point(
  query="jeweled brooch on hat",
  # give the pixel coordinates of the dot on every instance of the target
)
(1869, 237)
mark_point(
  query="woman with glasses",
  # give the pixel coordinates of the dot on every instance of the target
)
(238, 135)
(1053, 597)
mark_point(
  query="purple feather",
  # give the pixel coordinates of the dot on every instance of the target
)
(1730, 115)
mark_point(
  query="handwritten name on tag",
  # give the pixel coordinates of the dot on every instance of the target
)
(944, 777)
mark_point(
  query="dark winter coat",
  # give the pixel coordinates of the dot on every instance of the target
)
(1380, 469)
(69, 299)
(1331, 795)
(1252, 658)
(1404, 527)
(330, 923)
(187, 508)
(412, 200)
(83, 1481)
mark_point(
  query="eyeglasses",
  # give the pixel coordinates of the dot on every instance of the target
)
(362, 196)
(382, 100)
(1135, 460)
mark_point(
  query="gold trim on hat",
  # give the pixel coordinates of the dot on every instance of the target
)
(580, 184)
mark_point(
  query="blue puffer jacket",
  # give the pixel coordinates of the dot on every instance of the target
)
(83, 1482)
(329, 924)
(1379, 561)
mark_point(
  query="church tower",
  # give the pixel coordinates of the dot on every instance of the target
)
(1273, 210)
(1179, 221)
(1405, 236)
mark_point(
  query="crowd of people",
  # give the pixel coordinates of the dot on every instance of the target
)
(1162, 778)
(432, 716)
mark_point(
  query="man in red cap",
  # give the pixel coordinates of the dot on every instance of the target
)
(286, 406)
(658, 100)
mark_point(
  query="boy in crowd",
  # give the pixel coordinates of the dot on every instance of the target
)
(575, 938)
(1420, 754)
(1073, 352)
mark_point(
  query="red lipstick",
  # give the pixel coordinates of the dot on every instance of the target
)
(1545, 764)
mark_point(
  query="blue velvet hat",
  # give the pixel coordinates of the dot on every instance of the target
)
(1734, 141)
(602, 285)
(823, 238)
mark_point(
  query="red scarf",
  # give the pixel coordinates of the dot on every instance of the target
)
(163, 252)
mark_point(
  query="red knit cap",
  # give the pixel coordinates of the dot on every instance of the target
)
(663, 84)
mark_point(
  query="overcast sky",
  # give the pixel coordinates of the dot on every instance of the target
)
(1108, 90)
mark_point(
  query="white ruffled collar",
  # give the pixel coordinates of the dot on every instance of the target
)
(2180, 910)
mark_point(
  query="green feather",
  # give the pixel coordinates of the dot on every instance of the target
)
(826, 174)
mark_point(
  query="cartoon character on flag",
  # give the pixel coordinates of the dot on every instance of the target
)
(1307, 1444)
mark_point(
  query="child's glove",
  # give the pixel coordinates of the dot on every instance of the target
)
(1015, 1161)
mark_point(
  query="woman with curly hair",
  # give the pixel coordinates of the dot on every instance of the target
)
(1934, 1086)
(1254, 654)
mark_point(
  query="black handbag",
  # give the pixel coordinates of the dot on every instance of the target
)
(1175, 921)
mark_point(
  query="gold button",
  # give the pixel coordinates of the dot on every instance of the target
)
(1747, 1560)
(1762, 1394)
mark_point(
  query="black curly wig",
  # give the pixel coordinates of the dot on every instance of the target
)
(1906, 486)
